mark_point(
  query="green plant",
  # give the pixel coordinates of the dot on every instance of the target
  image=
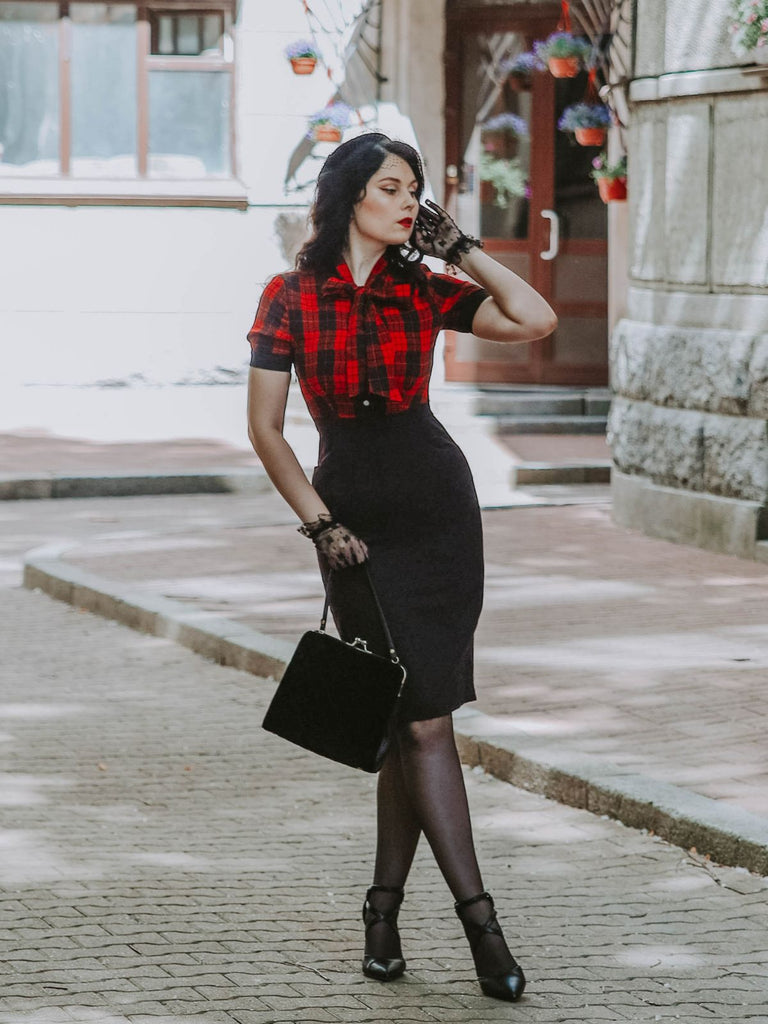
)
(561, 45)
(602, 169)
(506, 176)
(749, 26)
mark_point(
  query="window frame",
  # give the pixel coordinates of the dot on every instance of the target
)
(142, 190)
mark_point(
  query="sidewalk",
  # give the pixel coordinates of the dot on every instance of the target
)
(615, 672)
(165, 861)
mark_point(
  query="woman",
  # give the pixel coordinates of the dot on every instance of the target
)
(358, 320)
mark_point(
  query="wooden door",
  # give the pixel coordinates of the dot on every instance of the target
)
(555, 234)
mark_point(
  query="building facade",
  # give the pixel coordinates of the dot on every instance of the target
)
(689, 361)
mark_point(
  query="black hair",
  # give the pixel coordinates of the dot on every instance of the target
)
(340, 185)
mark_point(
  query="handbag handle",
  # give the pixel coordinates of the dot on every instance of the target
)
(388, 636)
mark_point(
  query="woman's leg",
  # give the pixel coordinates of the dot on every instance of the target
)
(432, 777)
(398, 832)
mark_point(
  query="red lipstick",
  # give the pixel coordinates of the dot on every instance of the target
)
(406, 222)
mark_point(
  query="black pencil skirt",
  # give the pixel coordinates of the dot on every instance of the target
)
(401, 484)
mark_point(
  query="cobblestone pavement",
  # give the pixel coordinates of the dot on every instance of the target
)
(165, 861)
(614, 646)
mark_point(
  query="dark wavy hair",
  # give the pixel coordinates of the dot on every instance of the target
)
(340, 186)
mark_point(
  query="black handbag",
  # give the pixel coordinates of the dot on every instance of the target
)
(339, 699)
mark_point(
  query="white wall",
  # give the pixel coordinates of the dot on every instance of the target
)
(110, 293)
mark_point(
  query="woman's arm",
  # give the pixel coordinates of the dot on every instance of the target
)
(267, 397)
(514, 311)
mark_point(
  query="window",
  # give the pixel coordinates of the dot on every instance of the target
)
(109, 91)
(186, 33)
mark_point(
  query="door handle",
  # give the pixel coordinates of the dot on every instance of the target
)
(554, 235)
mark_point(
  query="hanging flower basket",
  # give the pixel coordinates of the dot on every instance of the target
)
(749, 29)
(612, 190)
(590, 136)
(328, 124)
(326, 133)
(589, 122)
(303, 56)
(520, 69)
(501, 127)
(563, 53)
(611, 179)
(303, 65)
(564, 67)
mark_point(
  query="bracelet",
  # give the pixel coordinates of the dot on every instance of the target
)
(313, 530)
(462, 245)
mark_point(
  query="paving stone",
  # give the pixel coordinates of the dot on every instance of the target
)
(231, 892)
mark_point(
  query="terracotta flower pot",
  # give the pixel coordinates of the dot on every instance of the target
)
(303, 65)
(590, 136)
(327, 133)
(563, 67)
(612, 190)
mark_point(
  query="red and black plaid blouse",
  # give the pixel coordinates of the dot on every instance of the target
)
(346, 340)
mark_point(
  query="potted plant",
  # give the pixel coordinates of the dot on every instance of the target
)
(563, 53)
(505, 125)
(589, 122)
(506, 177)
(519, 69)
(303, 56)
(611, 178)
(749, 29)
(327, 124)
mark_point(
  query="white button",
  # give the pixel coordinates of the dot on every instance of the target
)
(366, 402)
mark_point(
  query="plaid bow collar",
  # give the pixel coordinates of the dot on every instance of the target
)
(370, 349)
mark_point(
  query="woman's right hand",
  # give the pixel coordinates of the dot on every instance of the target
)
(338, 545)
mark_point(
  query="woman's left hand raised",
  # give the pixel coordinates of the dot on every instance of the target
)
(438, 234)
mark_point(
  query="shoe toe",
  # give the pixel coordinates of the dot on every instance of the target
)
(507, 986)
(383, 970)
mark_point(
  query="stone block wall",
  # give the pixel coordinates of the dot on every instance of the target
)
(689, 362)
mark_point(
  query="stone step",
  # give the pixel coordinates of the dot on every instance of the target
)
(527, 473)
(550, 424)
(490, 401)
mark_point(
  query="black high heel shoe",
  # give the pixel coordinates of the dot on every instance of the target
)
(510, 983)
(382, 968)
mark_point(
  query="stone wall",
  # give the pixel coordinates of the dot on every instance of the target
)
(689, 363)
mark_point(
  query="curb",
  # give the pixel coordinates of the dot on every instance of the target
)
(122, 485)
(727, 834)
(526, 474)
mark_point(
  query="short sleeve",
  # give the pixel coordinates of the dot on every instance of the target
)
(270, 337)
(457, 301)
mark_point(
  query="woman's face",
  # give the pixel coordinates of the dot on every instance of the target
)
(386, 213)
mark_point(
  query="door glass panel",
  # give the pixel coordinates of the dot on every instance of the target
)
(495, 138)
(580, 277)
(580, 341)
(577, 202)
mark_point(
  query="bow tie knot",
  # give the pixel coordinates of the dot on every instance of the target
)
(369, 348)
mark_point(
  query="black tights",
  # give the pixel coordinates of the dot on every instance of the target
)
(421, 789)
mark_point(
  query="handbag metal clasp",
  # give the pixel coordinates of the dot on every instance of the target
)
(360, 644)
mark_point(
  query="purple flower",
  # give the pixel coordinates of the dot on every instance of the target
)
(301, 48)
(511, 123)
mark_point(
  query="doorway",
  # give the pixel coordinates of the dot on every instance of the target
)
(524, 187)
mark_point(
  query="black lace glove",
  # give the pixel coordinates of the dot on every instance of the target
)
(437, 234)
(335, 542)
